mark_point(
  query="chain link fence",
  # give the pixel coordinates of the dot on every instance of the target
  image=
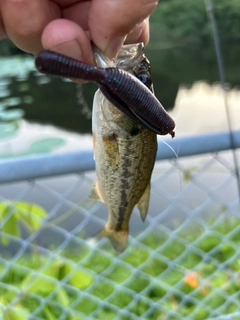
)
(182, 263)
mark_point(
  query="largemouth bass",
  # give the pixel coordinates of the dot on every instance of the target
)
(125, 153)
(121, 88)
(126, 119)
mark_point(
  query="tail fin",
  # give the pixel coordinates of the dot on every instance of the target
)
(118, 239)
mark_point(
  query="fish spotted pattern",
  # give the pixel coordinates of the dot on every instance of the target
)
(125, 153)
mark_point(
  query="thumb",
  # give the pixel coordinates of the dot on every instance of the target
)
(111, 21)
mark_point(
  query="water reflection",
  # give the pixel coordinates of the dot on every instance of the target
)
(54, 122)
(197, 107)
(201, 108)
(197, 110)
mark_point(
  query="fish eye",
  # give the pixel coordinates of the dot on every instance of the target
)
(143, 78)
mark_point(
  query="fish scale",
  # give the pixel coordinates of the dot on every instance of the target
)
(125, 119)
(123, 168)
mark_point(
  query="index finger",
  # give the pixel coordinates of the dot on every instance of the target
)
(2, 30)
(111, 21)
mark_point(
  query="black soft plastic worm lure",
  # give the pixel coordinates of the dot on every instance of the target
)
(121, 88)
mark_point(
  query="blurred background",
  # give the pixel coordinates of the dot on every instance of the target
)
(184, 70)
(183, 262)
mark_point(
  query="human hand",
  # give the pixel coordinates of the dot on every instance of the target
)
(69, 26)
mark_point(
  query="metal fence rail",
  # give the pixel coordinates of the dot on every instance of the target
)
(55, 164)
(182, 263)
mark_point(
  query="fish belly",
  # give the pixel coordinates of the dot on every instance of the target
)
(124, 166)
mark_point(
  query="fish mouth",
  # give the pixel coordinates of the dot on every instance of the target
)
(163, 130)
(118, 103)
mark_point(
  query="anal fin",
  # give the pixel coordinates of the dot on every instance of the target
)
(95, 193)
(143, 203)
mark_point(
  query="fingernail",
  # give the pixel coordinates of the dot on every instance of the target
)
(134, 36)
(114, 46)
(71, 49)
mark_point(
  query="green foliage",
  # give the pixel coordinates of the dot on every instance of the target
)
(227, 14)
(12, 212)
(182, 22)
(74, 283)
(9, 121)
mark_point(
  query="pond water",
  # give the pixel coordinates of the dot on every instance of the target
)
(185, 80)
(40, 114)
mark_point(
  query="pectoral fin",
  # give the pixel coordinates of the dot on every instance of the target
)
(111, 149)
(95, 193)
(143, 203)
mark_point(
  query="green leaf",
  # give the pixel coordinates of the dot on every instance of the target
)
(16, 314)
(12, 101)
(11, 115)
(22, 87)
(188, 174)
(81, 279)
(63, 297)
(45, 145)
(29, 213)
(39, 283)
(10, 226)
(49, 314)
(8, 129)
(2, 106)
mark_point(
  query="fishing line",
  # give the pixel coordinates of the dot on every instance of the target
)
(210, 12)
(85, 109)
(177, 162)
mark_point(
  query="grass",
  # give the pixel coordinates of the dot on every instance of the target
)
(190, 275)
